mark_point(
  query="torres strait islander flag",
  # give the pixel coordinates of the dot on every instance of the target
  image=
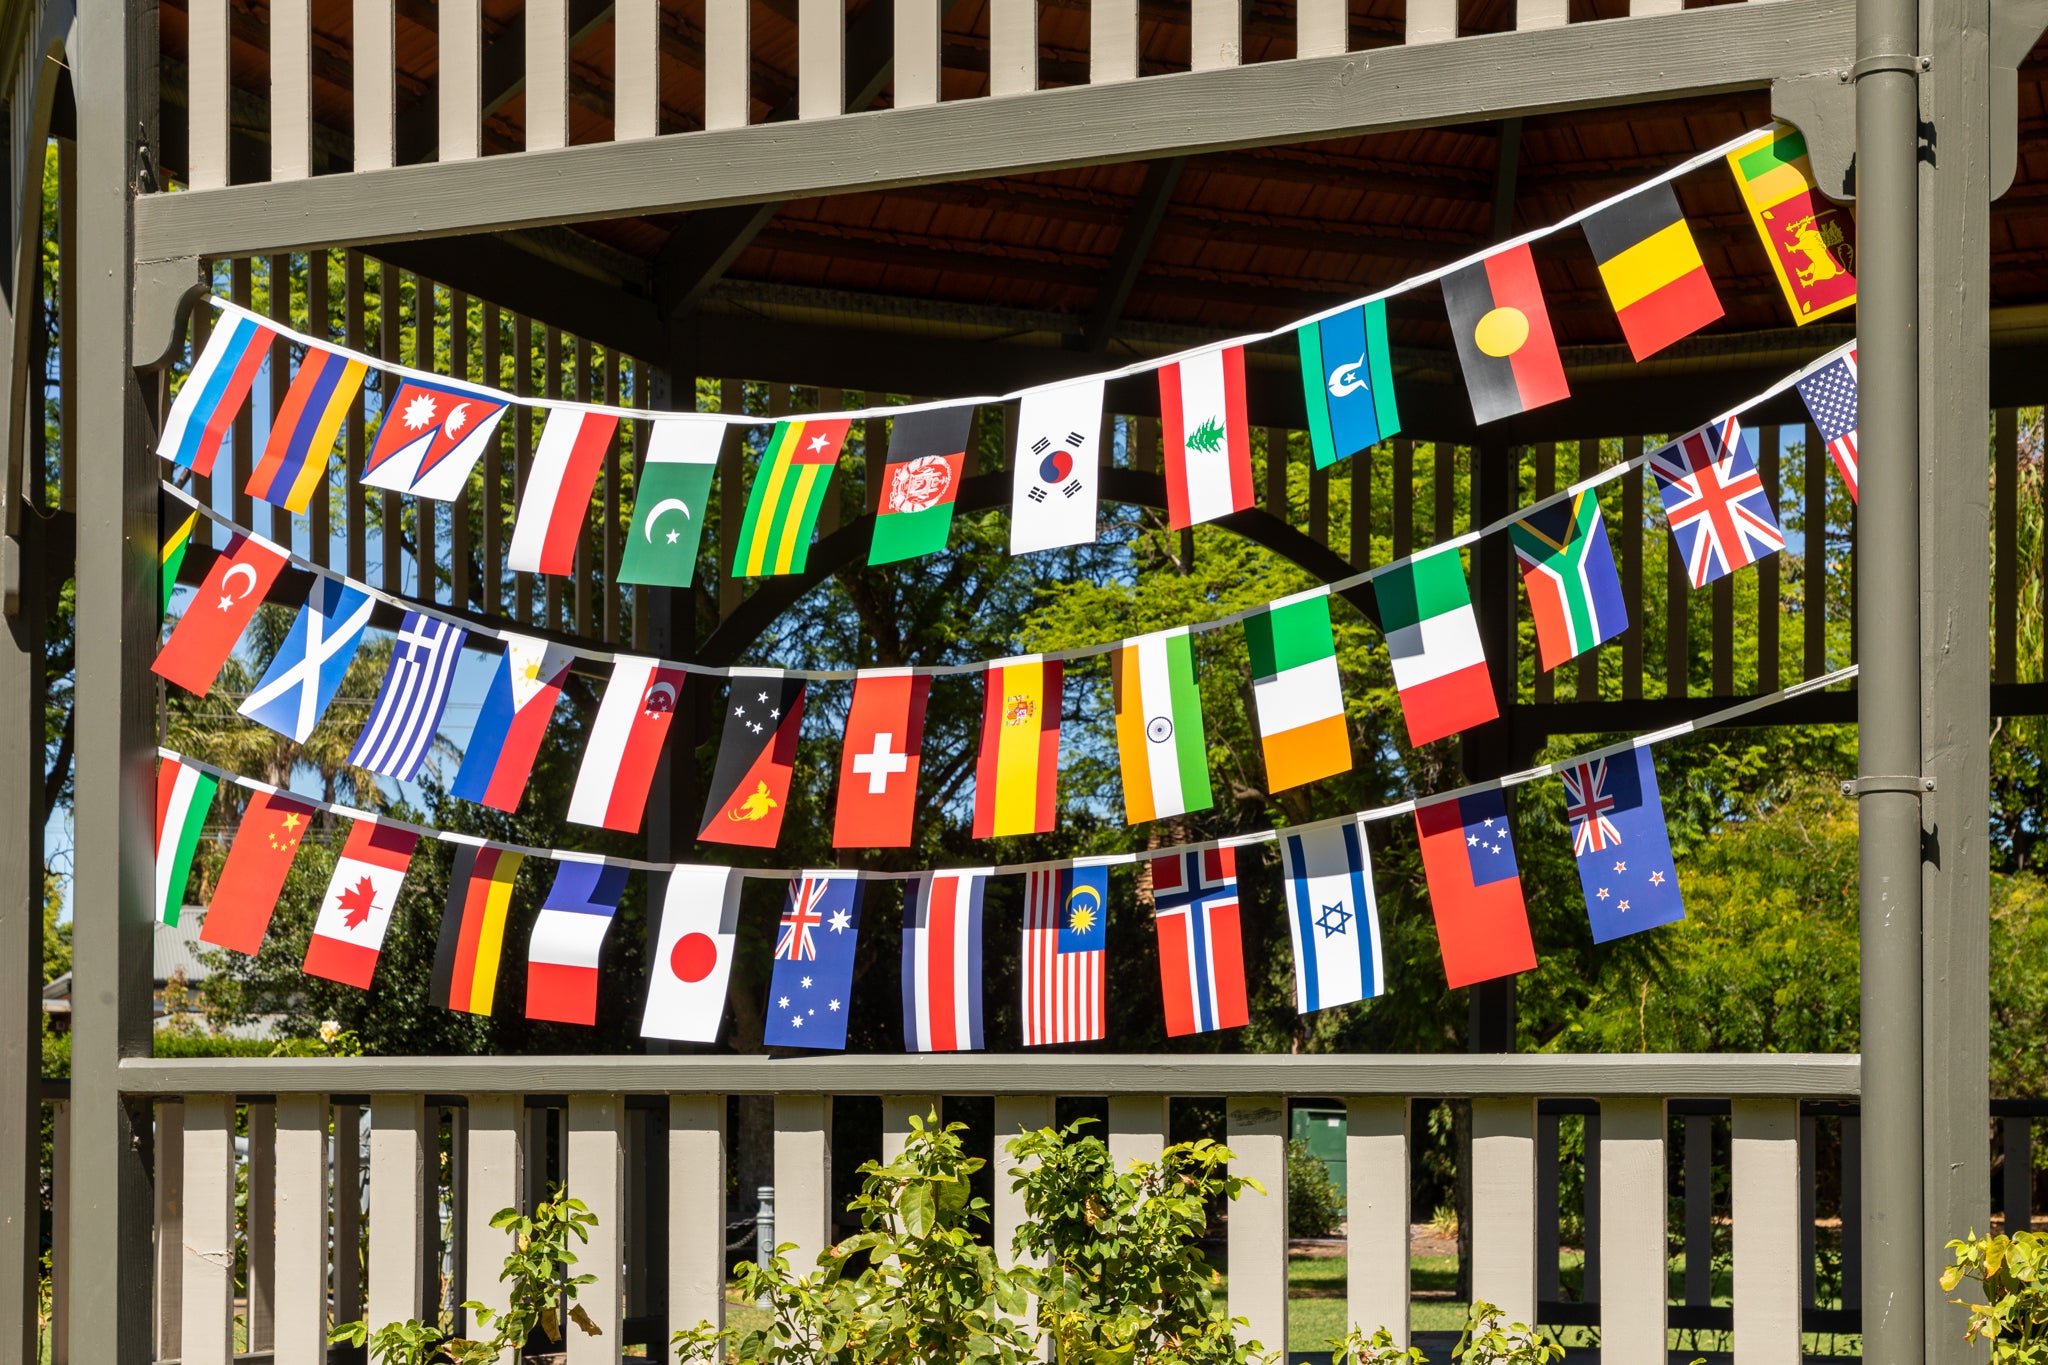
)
(1475, 889)
(942, 962)
(355, 912)
(183, 797)
(789, 488)
(1439, 665)
(1207, 441)
(1201, 949)
(252, 879)
(218, 614)
(878, 760)
(514, 718)
(1016, 776)
(1652, 269)
(431, 437)
(213, 393)
(625, 744)
(1502, 330)
(920, 482)
(556, 502)
(1347, 378)
(1159, 738)
(764, 713)
(692, 962)
(562, 954)
(1296, 690)
(472, 938)
(303, 430)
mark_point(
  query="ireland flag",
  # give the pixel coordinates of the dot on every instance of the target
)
(1159, 727)
(1295, 689)
(668, 502)
(1439, 665)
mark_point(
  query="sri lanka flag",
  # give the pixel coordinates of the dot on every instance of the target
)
(1347, 378)
(1621, 844)
(1502, 329)
(1016, 777)
(1475, 889)
(1652, 269)
(1568, 569)
(561, 957)
(213, 394)
(303, 430)
(514, 719)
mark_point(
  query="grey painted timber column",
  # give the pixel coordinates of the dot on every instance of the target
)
(301, 1230)
(398, 1209)
(21, 940)
(696, 1211)
(597, 1172)
(1631, 1289)
(1256, 1133)
(496, 1179)
(1376, 1214)
(803, 1177)
(115, 759)
(1764, 1175)
(207, 1303)
(1137, 1127)
(1504, 1206)
(1888, 690)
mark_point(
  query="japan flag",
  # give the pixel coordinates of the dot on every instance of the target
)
(692, 962)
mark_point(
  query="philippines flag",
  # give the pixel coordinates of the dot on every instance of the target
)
(625, 744)
(1066, 939)
(811, 979)
(1201, 952)
(1830, 394)
(355, 912)
(1714, 501)
(514, 719)
(561, 957)
(415, 693)
(942, 962)
(308, 667)
(431, 438)
(213, 393)
(556, 502)
(1208, 443)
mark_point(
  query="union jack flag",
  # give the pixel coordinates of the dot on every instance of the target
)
(1830, 394)
(1588, 803)
(1714, 501)
(800, 919)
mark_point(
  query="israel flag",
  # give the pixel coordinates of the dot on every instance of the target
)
(308, 668)
(415, 693)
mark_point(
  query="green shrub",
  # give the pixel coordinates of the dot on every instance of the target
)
(1314, 1203)
(2014, 1272)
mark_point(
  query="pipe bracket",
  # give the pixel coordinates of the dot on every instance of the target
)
(1890, 61)
(1911, 786)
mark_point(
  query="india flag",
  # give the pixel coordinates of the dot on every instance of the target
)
(1295, 689)
(1159, 727)
(183, 796)
(1439, 665)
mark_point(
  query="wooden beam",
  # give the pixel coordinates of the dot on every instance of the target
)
(1131, 249)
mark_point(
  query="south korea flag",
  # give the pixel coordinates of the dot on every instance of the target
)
(1054, 474)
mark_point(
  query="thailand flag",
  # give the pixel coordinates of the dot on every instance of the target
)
(1201, 950)
(625, 744)
(212, 395)
(514, 719)
(561, 957)
(556, 502)
(942, 962)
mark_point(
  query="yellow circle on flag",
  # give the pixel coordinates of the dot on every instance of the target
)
(1502, 331)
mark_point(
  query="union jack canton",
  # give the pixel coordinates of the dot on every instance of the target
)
(1588, 805)
(1714, 501)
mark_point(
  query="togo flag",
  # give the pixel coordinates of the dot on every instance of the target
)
(1159, 727)
(1347, 378)
(669, 500)
(1439, 664)
(1332, 916)
(183, 796)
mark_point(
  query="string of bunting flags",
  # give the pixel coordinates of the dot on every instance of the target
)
(1619, 841)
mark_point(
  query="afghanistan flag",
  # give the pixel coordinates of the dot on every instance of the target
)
(669, 496)
(1502, 329)
(1652, 269)
(750, 784)
(920, 482)
(1016, 777)
(1439, 664)
(472, 939)
(1811, 242)
(789, 488)
(1347, 378)
(1159, 736)
(1568, 569)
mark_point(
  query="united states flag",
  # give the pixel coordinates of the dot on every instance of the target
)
(415, 693)
(1830, 394)
(1714, 501)
(1065, 940)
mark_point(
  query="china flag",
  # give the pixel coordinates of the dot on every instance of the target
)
(253, 876)
(878, 762)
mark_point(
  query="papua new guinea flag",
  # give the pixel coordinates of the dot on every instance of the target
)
(750, 784)
(1502, 330)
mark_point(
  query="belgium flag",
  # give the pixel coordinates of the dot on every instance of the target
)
(1505, 345)
(1652, 269)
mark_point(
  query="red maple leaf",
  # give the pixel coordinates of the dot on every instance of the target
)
(357, 902)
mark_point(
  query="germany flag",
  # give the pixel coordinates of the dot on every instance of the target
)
(1503, 333)
(1652, 269)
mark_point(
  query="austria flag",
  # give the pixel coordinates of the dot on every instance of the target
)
(354, 914)
(561, 957)
(750, 785)
(1208, 443)
(556, 503)
(625, 744)
(216, 617)
(509, 729)
(686, 979)
(878, 761)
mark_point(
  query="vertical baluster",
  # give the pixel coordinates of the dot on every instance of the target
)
(320, 511)
(375, 64)
(820, 58)
(728, 56)
(242, 439)
(301, 1213)
(2005, 518)
(1138, 1125)
(60, 1232)
(460, 580)
(1532, 14)
(1770, 440)
(1361, 508)
(279, 284)
(596, 1162)
(1638, 8)
(696, 1210)
(1431, 21)
(494, 1178)
(1632, 570)
(491, 507)
(613, 541)
(1543, 461)
(354, 505)
(731, 497)
(1012, 47)
(291, 89)
(2016, 1137)
(1276, 472)
(1376, 1214)
(170, 1230)
(547, 74)
(1813, 574)
(426, 514)
(1216, 36)
(390, 321)
(897, 1112)
(398, 1208)
(636, 84)
(208, 1243)
(1112, 41)
(459, 63)
(1444, 501)
(1765, 1180)
(803, 1176)
(1257, 1134)
(1322, 28)
(1809, 1206)
(1630, 1287)
(1404, 499)
(522, 451)
(261, 1225)
(586, 548)
(1852, 1211)
(916, 45)
(1014, 1114)
(1699, 1210)
(553, 582)
(209, 85)
(1504, 1205)
(1549, 1208)
(348, 1212)
(1587, 688)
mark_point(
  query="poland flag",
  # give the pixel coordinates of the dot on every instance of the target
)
(625, 744)
(555, 503)
(686, 979)
(356, 911)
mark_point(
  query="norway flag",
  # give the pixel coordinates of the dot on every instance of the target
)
(1201, 951)
(513, 721)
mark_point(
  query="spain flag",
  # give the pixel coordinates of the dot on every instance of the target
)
(1652, 269)
(1016, 778)
(1502, 329)
(789, 488)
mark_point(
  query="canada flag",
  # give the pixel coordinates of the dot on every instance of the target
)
(354, 914)
(430, 440)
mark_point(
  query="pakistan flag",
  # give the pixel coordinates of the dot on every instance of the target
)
(669, 501)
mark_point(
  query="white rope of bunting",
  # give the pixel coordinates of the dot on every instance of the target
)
(1337, 586)
(1431, 276)
(1264, 836)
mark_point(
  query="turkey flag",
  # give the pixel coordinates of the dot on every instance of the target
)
(750, 784)
(216, 617)
(878, 763)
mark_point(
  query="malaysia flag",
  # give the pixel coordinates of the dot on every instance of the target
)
(1201, 949)
(561, 957)
(878, 759)
(348, 936)
(514, 719)
(1475, 888)
(556, 501)
(431, 437)
(942, 962)
(1066, 940)
(625, 744)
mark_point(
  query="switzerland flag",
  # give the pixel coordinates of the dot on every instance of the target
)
(878, 761)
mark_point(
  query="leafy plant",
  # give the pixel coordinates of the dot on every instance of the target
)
(2014, 1273)
(1485, 1341)
(1377, 1349)
(538, 1270)
(1314, 1203)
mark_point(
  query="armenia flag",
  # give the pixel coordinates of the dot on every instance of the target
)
(927, 452)
(1475, 888)
(1568, 570)
(472, 940)
(1159, 737)
(1652, 269)
(789, 488)
(303, 430)
(1016, 777)
(1347, 378)
(1621, 844)
(1811, 242)
(1502, 329)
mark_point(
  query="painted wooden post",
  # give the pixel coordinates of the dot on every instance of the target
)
(1765, 1180)
(261, 1225)
(208, 88)
(398, 1208)
(1216, 37)
(170, 1230)
(1376, 1214)
(1504, 1205)
(547, 74)
(1542, 13)
(1112, 41)
(208, 1249)
(897, 1112)
(820, 58)
(291, 91)
(374, 60)
(1631, 1287)
(1322, 28)
(1431, 21)
(494, 1178)
(1256, 1128)
(1137, 1127)
(696, 1210)
(301, 1337)
(1012, 47)
(596, 1169)
(803, 1177)
(459, 98)
(636, 97)
(917, 53)
(1014, 1114)
(727, 63)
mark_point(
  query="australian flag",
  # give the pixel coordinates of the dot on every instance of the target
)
(1830, 394)
(1714, 501)
(1622, 846)
(308, 667)
(414, 695)
(811, 982)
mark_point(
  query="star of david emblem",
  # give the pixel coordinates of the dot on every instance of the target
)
(1333, 920)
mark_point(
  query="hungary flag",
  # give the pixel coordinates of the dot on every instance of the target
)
(1159, 727)
(668, 502)
(1296, 691)
(927, 451)
(1426, 611)
(183, 796)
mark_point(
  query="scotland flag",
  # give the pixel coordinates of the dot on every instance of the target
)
(415, 693)
(307, 669)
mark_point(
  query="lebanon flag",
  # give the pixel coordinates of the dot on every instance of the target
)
(513, 720)
(562, 955)
(349, 933)
(556, 502)
(1208, 444)
(750, 784)
(625, 744)
(942, 962)
(216, 617)
(253, 877)
(878, 761)
(686, 981)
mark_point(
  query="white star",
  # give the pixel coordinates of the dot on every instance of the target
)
(775, 713)
(1489, 822)
(796, 1021)
(840, 919)
(811, 1012)
(1623, 905)
(755, 726)
(805, 983)
(1603, 893)
(1471, 839)
(419, 412)
(833, 1006)
(226, 603)
(764, 696)
(739, 710)
(1656, 879)
(820, 441)
(674, 536)
(1496, 848)
(783, 1003)
(1621, 867)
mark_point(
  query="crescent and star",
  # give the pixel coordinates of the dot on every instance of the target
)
(664, 505)
(227, 585)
